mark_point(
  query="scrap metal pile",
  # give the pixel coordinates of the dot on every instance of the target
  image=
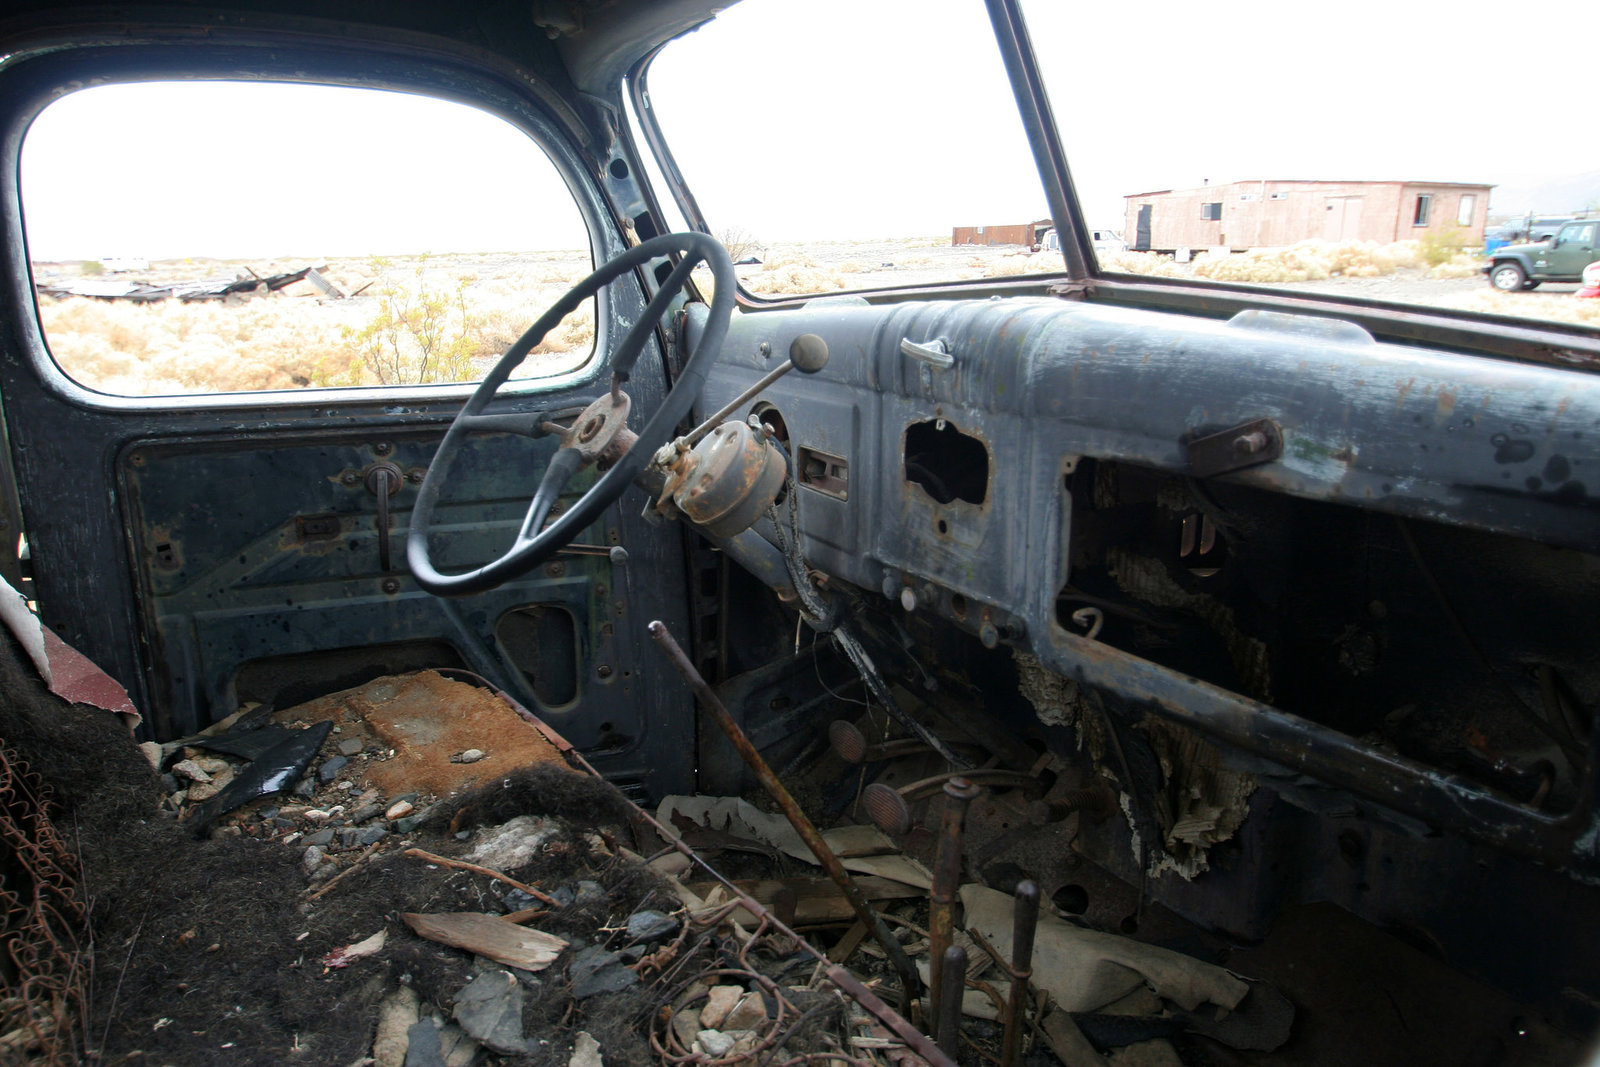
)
(225, 289)
(418, 871)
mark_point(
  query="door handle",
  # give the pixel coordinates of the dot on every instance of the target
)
(383, 481)
(935, 353)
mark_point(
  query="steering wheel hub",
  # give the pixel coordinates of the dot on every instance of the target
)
(600, 434)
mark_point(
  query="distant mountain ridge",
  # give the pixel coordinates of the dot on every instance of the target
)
(1547, 197)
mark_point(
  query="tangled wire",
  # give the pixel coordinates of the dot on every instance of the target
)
(683, 988)
(45, 925)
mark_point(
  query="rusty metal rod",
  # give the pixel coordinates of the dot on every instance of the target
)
(952, 984)
(851, 986)
(918, 1042)
(910, 984)
(1024, 920)
(946, 881)
(717, 417)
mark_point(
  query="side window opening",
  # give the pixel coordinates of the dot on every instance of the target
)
(1424, 206)
(220, 237)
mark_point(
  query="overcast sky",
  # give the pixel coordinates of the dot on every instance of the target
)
(236, 169)
(842, 118)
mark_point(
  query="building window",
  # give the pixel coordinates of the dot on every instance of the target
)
(1247, 197)
(1211, 212)
(1424, 205)
(1277, 196)
(1469, 205)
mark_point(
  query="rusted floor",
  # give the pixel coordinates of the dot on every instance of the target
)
(427, 721)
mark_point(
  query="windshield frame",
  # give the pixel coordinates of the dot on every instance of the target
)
(1553, 343)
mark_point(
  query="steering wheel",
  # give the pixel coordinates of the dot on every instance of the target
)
(598, 435)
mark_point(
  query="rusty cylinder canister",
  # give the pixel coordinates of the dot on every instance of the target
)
(733, 476)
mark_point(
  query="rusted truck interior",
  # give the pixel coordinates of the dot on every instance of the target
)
(1259, 626)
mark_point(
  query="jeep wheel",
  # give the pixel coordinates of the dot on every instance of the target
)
(1507, 277)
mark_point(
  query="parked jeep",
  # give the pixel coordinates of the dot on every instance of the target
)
(1561, 259)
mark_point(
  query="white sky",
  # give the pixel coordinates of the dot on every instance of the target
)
(237, 169)
(841, 118)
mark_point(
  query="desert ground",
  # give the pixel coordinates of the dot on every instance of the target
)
(434, 318)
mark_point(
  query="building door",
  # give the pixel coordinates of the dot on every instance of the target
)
(1141, 232)
(1342, 220)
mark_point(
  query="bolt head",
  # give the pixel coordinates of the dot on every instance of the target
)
(1250, 443)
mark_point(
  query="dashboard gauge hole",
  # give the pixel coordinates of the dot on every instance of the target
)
(1071, 899)
(947, 464)
(770, 417)
(944, 527)
(958, 605)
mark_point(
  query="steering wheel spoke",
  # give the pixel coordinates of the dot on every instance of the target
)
(597, 434)
(521, 423)
(563, 465)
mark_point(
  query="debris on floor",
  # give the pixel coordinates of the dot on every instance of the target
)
(411, 872)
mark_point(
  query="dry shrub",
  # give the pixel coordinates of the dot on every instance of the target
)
(1366, 259)
(739, 242)
(1461, 265)
(791, 271)
(571, 334)
(1309, 261)
(1012, 264)
(1438, 247)
(705, 282)
(1294, 264)
(1143, 263)
(287, 342)
(1563, 307)
(172, 347)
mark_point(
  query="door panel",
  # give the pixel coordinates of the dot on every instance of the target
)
(208, 549)
(1575, 250)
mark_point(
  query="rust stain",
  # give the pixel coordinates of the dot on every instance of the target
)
(427, 718)
(1447, 403)
(1405, 391)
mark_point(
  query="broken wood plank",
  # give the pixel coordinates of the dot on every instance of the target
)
(490, 936)
(847, 945)
(1068, 1042)
(817, 900)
